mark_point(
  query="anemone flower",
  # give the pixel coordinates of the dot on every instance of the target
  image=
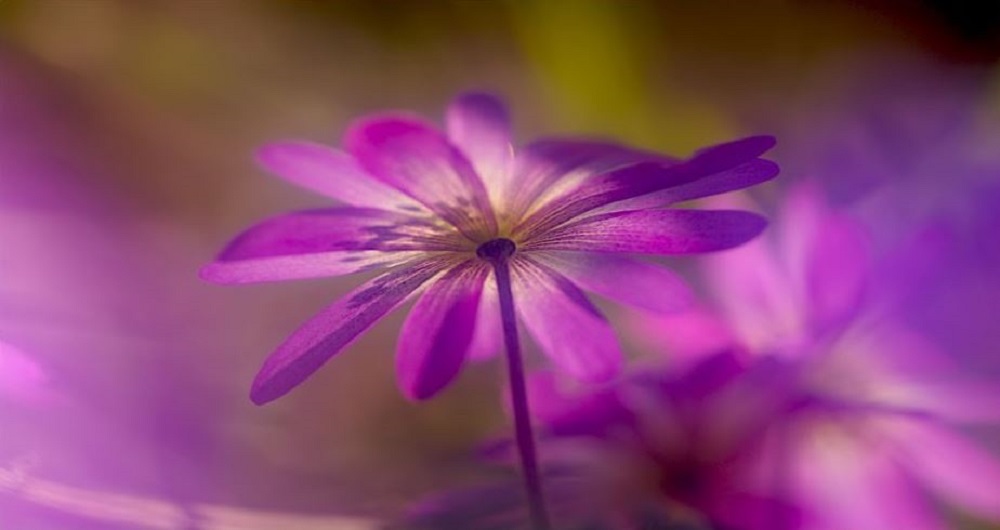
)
(679, 446)
(472, 225)
(877, 422)
(661, 447)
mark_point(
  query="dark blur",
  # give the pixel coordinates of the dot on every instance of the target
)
(127, 130)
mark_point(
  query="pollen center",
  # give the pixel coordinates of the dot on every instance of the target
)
(496, 249)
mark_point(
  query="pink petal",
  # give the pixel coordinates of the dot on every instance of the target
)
(600, 190)
(639, 179)
(332, 173)
(719, 157)
(914, 374)
(654, 232)
(856, 486)
(479, 125)
(567, 327)
(488, 338)
(565, 409)
(720, 175)
(303, 266)
(622, 279)
(548, 169)
(326, 334)
(685, 336)
(831, 251)
(757, 295)
(438, 331)
(327, 242)
(955, 399)
(742, 176)
(955, 468)
(418, 160)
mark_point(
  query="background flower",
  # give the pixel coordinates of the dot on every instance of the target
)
(879, 406)
(661, 448)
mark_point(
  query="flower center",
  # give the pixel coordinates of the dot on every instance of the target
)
(496, 250)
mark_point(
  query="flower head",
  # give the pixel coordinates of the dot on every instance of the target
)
(434, 208)
(680, 444)
(878, 408)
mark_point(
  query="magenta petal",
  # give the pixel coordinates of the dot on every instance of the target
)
(850, 485)
(836, 274)
(488, 338)
(418, 160)
(542, 164)
(622, 279)
(327, 230)
(478, 124)
(438, 331)
(742, 176)
(600, 190)
(719, 157)
(576, 410)
(331, 173)
(654, 232)
(954, 398)
(335, 327)
(565, 324)
(642, 178)
(832, 252)
(683, 337)
(302, 266)
(752, 287)
(958, 470)
(326, 242)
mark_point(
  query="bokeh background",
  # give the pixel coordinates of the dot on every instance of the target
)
(127, 129)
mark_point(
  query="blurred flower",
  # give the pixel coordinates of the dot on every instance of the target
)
(680, 444)
(435, 208)
(660, 448)
(875, 421)
(907, 141)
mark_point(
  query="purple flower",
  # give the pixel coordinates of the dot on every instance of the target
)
(877, 422)
(434, 208)
(680, 445)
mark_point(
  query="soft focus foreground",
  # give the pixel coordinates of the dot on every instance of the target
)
(126, 138)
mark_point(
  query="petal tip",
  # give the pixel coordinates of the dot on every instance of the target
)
(754, 225)
(211, 273)
(766, 142)
(416, 388)
(222, 272)
(481, 102)
(265, 154)
(376, 128)
(769, 169)
(261, 397)
(723, 156)
(416, 394)
(266, 389)
(280, 157)
(479, 96)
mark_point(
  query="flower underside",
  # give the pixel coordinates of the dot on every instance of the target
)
(438, 209)
(496, 250)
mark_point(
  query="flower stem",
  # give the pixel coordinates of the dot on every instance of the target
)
(519, 398)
